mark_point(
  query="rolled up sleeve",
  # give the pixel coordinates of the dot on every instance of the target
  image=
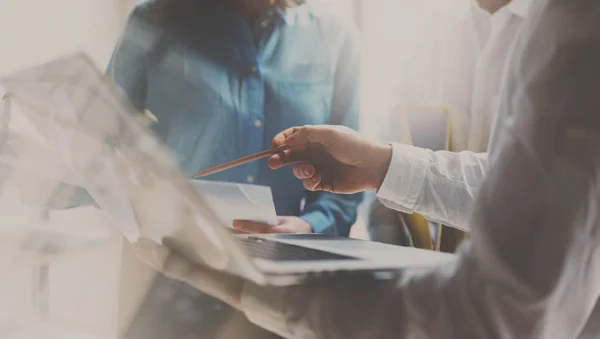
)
(440, 185)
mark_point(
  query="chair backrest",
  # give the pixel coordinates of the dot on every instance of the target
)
(429, 127)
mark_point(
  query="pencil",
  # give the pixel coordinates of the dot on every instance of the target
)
(241, 161)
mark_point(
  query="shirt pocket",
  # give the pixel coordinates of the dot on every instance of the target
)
(302, 94)
(190, 110)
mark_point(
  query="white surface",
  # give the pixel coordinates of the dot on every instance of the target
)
(234, 201)
(82, 282)
(57, 263)
(32, 31)
(49, 330)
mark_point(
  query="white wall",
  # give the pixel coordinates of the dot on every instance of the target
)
(82, 288)
(32, 31)
(401, 50)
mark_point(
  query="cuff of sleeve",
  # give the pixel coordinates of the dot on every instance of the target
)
(403, 183)
(318, 221)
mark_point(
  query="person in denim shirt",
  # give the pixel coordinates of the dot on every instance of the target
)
(221, 78)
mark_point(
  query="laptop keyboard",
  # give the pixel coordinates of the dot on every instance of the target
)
(260, 248)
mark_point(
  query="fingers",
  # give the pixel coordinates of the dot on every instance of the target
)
(313, 183)
(284, 225)
(309, 145)
(304, 171)
(299, 136)
(288, 157)
(234, 231)
(281, 138)
(310, 177)
(253, 227)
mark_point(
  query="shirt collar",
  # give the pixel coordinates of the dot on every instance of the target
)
(520, 7)
(292, 15)
(517, 7)
(285, 15)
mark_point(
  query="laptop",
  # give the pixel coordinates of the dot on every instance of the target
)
(87, 122)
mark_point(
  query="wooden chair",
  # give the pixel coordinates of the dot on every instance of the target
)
(430, 127)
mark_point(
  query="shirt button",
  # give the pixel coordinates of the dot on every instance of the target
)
(250, 179)
(264, 23)
(253, 69)
(257, 123)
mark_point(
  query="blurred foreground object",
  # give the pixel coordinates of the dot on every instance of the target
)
(68, 135)
(55, 249)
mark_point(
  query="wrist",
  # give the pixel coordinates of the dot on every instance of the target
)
(317, 220)
(382, 157)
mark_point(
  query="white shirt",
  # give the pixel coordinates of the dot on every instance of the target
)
(442, 185)
(544, 185)
(489, 39)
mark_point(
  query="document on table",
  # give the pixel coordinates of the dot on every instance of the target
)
(233, 201)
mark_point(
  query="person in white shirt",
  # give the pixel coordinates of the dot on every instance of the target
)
(442, 185)
(543, 181)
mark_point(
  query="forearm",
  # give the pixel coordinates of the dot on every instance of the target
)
(509, 283)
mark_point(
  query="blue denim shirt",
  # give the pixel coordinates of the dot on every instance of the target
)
(220, 90)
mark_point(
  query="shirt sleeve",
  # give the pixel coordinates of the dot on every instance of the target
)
(532, 266)
(334, 213)
(126, 66)
(439, 185)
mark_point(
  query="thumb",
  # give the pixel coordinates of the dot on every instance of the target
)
(291, 134)
(300, 136)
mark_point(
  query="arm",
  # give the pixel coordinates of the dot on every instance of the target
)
(534, 256)
(327, 212)
(441, 185)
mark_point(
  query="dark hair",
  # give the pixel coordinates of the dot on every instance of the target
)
(171, 10)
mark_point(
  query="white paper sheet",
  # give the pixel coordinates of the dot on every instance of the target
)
(234, 201)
